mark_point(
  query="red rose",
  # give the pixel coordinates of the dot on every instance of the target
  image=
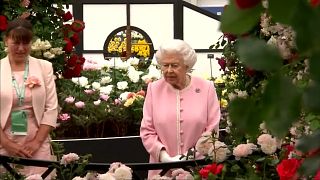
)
(314, 3)
(287, 169)
(3, 23)
(211, 168)
(288, 149)
(75, 39)
(69, 46)
(72, 61)
(67, 16)
(222, 62)
(67, 31)
(250, 72)
(216, 169)
(246, 4)
(229, 36)
(77, 70)
(204, 172)
(68, 73)
(81, 60)
(317, 176)
(77, 25)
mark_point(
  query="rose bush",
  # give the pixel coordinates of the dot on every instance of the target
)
(270, 81)
(56, 32)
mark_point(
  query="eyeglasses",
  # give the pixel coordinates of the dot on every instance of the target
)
(173, 66)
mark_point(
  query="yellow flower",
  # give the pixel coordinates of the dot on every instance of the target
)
(223, 103)
(223, 92)
(218, 80)
(129, 102)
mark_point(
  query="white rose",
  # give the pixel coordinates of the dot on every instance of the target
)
(122, 85)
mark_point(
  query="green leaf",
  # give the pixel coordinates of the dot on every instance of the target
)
(238, 21)
(197, 177)
(273, 162)
(260, 159)
(315, 124)
(314, 67)
(311, 165)
(283, 11)
(211, 176)
(306, 26)
(258, 55)
(281, 105)
(245, 115)
(308, 143)
(235, 168)
(309, 97)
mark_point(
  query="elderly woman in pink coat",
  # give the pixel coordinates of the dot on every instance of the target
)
(178, 108)
(29, 105)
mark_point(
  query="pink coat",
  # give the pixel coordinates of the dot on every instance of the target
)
(175, 119)
(44, 98)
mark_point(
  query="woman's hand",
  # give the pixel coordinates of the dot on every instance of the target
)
(15, 149)
(32, 146)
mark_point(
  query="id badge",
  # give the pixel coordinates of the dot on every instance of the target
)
(19, 121)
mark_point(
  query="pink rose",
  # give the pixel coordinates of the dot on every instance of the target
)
(104, 97)
(89, 91)
(64, 116)
(79, 104)
(69, 100)
(243, 150)
(69, 158)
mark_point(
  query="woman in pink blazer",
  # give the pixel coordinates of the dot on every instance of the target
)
(28, 98)
(178, 108)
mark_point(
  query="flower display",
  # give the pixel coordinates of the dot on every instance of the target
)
(262, 156)
(139, 47)
(43, 49)
(32, 82)
(55, 33)
(109, 96)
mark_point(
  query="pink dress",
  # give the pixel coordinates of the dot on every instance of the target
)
(175, 119)
(44, 152)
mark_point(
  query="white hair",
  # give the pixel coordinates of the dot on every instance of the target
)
(179, 47)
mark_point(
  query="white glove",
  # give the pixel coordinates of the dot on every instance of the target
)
(164, 157)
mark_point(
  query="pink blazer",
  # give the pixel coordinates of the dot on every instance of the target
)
(174, 119)
(44, 98)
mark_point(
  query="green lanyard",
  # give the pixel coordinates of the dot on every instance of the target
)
(21, 90)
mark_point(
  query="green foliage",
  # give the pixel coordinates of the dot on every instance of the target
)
(277, 70)
(258, 55)
(242, 22)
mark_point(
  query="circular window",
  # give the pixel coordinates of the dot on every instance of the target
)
(141, 45)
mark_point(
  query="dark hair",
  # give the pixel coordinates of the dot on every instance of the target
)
(20, 30)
